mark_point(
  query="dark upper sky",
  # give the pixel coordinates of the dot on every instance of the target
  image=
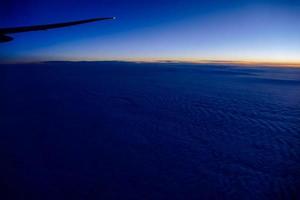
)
(265, 30)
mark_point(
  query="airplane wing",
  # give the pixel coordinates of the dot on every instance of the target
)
(49, 26)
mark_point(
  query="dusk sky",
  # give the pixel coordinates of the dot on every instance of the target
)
(245, 30)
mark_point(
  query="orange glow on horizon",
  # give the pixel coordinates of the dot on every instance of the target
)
(253, 63)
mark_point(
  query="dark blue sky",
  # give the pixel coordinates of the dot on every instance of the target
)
(266, 30)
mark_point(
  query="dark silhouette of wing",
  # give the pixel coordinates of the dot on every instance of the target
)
(48, 26)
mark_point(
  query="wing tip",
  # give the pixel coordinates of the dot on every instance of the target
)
(105, 18)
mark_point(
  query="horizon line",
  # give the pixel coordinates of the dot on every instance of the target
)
(183, 61)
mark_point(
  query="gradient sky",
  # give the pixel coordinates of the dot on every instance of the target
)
(244, 30)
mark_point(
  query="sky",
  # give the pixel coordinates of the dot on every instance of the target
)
(179, 30)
